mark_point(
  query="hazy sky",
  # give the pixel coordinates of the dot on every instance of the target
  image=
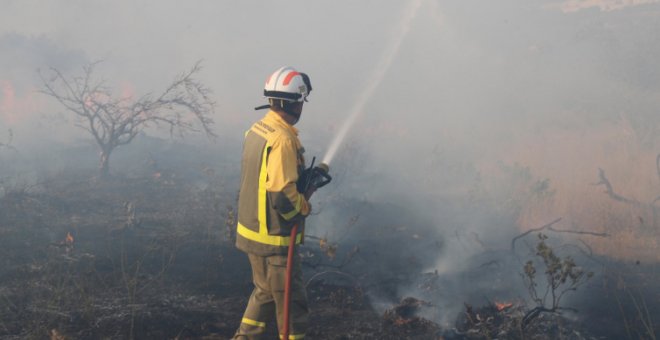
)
(461, 58)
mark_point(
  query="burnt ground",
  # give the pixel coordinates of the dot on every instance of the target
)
(152, 257)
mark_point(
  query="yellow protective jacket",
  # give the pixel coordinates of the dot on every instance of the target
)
(269, 204)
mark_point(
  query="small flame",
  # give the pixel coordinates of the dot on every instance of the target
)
(69, 239)
(503, 305)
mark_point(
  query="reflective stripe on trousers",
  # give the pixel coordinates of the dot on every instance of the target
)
(267, 299)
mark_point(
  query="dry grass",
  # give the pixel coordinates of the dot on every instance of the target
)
(570, 159)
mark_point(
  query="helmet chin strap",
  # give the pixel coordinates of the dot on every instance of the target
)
(293, 114)
(289, 112)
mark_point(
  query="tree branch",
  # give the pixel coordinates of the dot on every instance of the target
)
(113, 122)
(610, 190)
(550, 227)
(513, 241)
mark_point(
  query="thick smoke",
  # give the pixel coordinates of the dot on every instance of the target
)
(490, 118)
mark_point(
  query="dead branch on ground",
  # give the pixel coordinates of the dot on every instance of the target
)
(355, 281)
(550, 227)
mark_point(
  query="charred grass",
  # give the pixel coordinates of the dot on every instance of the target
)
(153, 258)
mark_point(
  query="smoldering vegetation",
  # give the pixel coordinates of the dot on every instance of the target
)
(148, 253)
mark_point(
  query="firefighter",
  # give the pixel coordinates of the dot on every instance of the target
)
(269, 205)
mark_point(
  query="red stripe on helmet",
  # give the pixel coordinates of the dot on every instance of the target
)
(268, 79)
(290, 76)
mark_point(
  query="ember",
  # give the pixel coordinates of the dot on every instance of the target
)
(69, 239)
(503, 321)
(403, 318)
(503, 305)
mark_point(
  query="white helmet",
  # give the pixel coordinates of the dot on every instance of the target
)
(288, 84)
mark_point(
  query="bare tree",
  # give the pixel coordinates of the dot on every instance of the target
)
(115, 121)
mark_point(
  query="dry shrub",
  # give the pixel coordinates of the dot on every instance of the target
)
(570, 159)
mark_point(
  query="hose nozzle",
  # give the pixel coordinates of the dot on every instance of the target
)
(324, 167)
(320, 175)
(316, 176)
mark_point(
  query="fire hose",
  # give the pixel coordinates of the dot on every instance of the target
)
(312, 177)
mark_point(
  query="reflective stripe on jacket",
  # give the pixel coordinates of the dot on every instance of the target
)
(269, 204)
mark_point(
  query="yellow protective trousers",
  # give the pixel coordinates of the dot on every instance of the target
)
(268, 276)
